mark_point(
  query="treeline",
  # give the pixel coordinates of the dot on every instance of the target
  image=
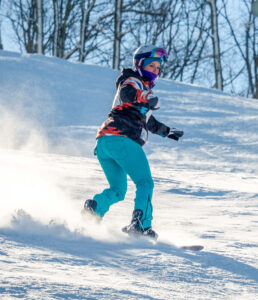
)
(210, 42)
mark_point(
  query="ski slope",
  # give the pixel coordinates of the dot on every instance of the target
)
(206, 190)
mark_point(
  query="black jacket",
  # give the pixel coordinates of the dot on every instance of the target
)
(131, 114)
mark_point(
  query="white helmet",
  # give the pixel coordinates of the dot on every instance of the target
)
(149, 51)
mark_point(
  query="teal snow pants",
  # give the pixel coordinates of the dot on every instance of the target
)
(119, 156)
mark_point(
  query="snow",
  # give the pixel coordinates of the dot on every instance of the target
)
(206, 190)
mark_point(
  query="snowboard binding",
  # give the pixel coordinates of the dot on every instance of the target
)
(136, 229)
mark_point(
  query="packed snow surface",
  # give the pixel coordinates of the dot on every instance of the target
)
(206, 190)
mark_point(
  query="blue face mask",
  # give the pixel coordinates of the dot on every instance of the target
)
(149, 75)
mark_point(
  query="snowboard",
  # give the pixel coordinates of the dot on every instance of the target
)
(155, 240)
(192, 247)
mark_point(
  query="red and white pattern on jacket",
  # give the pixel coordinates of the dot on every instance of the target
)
(131, 115)
(141, 94)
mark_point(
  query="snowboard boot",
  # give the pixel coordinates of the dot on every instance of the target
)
(90, 206)
(89, 210)
(136, 229)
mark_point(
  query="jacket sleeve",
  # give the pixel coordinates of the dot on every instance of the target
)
(132, 91)
(157, 127)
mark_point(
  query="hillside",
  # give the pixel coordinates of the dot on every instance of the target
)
(206, 190)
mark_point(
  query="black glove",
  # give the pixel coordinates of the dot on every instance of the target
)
(154, 102)
(175, 134)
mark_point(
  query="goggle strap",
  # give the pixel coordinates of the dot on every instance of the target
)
(153, 54)
(143, 55)
(139, 63)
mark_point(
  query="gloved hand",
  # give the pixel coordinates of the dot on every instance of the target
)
(154, 102)
(175, 134)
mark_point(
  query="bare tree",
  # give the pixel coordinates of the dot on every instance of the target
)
(189, 41)
(182, 28)
(121, 10)
(251, 49)
(22, 15)
(117, 33)
(66, 17)
(106, 32)
(40, 26)
(1, 44)
(27, 19)
(84, 29)
(143, 22)
(244, 39)
(93, 25)
(216, 44)
(78, 25)
(56, 28)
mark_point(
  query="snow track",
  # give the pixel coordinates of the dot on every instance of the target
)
(206, 191)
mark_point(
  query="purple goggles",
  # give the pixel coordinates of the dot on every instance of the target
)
(157, 52)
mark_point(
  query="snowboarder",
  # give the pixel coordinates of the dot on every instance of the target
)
(122, 135)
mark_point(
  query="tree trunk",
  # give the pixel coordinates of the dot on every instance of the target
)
(1, 44)
(216, 44)
(56, 28)
(255, 56)
(40, 26)
(117, 33)
(84, 27)
(82, 31)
